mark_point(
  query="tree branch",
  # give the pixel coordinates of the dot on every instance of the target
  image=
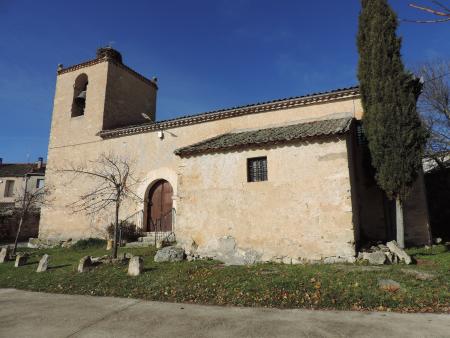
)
(429, 10)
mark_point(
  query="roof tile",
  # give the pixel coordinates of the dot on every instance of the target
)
(268, 135)
(19, 169)
(259, 107)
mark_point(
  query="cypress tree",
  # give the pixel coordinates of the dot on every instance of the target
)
(389, 93)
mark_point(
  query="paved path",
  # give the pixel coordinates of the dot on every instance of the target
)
(30, 314)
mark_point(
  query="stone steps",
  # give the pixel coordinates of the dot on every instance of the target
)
(149, 237)
(138, 244)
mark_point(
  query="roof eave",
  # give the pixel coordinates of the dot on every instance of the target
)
(183, 154)
(336, 95)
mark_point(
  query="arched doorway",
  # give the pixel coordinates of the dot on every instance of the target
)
(159, 207)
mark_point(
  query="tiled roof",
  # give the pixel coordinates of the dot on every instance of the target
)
(291, 102)
(20, 169)
(268, 136)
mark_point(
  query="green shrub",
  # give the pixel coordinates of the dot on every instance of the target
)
(130, 232)
(89, 243)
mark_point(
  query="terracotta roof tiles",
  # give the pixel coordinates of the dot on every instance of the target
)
(20, 169)
(272, 135)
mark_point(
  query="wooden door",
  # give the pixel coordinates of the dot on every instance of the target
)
(160, 207)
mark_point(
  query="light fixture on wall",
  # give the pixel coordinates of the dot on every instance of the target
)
(145, 116)
(160, 132)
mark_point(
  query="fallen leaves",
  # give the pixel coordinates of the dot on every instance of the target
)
(265, 285)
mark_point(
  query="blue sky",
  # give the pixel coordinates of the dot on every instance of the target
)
(206, 54)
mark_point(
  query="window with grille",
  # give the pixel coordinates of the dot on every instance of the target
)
(360, 135)
(39, 183)
(9, 188)
(257, 169)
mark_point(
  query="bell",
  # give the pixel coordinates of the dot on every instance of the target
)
(82, 95)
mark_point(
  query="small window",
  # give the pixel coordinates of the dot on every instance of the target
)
(257, 169)
(39, 183)
(360, 135)
(9, 188)
(79, 95)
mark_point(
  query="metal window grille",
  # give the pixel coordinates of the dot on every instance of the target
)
(257, 169)
(360, 135)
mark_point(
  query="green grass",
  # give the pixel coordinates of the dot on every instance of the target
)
(346, 287)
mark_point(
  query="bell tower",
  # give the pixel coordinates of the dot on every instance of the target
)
(99, 94)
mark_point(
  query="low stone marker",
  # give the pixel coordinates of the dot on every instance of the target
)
(43, 263)
(388, 285)
(169, 254)
(376, 258)
(419, 275)
(135, 266)
(109, 244)
(401, 254)
(85, 264)
(4, 254)
(21, 259)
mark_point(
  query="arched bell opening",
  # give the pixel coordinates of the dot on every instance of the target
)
(79, 95)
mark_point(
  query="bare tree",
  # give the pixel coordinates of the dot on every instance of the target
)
(26, 202)
(434, 107)
(114, 182)
(441, 11)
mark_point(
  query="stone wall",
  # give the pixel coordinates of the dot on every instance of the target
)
(67, 130)
(75, 141)
(127, 98)
(9, 223)
(154, 158)
(303, 211)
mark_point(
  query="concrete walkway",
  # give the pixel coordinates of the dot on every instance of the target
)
(30, 314)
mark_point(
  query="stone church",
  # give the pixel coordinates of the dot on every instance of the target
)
(286, 180)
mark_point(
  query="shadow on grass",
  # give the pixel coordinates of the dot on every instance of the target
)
(58, 266)
(149, 269)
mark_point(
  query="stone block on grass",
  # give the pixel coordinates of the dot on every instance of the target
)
(419, 275)
(135, 266)
(85, 264)
(401, 254)
(21, 259)
(4, 254)
(388, 285)
(169, 254)
(375, 258)
(43, 263)
(109, 244)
